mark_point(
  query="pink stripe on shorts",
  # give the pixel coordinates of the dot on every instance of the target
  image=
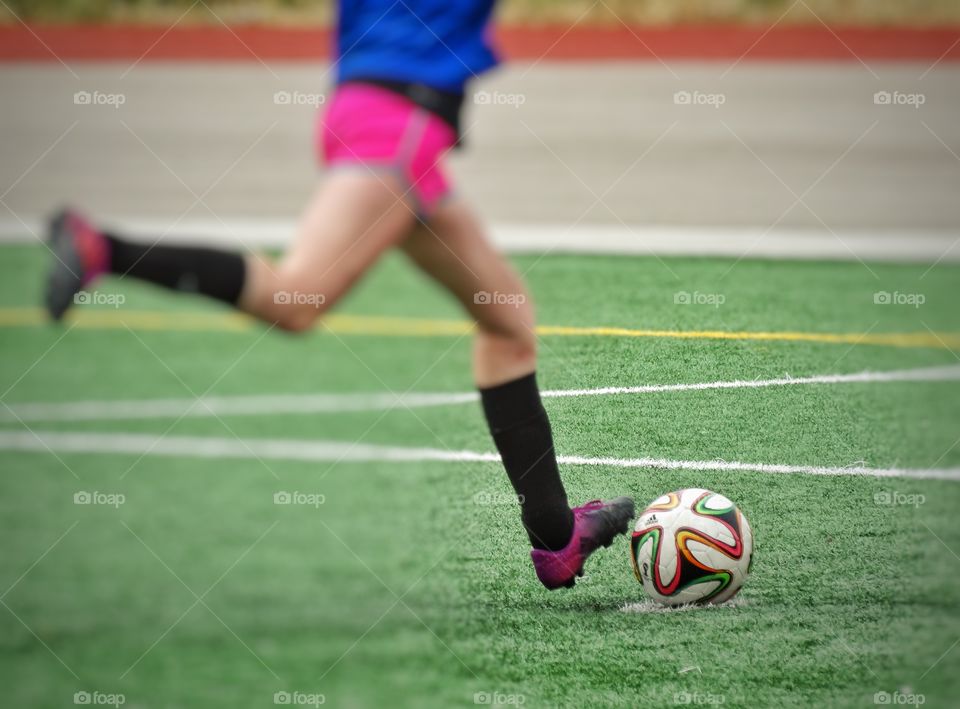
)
(372, 126)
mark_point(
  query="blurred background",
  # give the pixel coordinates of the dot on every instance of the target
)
(695, 125)
(851, 12)
(698, 191)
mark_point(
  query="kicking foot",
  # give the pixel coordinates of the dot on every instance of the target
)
(595, 524)
(80, 255)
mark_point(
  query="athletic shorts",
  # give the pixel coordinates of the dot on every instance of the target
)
(377, 129)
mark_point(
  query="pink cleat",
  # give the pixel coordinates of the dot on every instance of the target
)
(81, 254)
(595, 524)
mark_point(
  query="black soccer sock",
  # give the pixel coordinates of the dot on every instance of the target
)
(521, 430)
(210, 272)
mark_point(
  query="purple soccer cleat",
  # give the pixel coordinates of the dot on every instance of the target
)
(595, 524)
(81, 254)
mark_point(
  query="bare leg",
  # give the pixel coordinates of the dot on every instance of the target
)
(352, 219)
(454, 249)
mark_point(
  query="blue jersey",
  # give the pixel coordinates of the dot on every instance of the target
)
(439, 43)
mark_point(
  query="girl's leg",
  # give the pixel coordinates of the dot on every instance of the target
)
(454, 250)
(352, 219)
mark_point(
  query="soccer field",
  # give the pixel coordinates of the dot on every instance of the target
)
(400, 575)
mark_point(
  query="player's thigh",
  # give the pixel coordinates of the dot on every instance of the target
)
(453, 248)
(353, 218)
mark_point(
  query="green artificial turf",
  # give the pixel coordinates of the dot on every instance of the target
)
(401, 589)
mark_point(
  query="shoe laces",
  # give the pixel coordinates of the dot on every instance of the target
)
(590, 506)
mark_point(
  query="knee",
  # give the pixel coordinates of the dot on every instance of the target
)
(297, 310)
(296, 319)
(524, 346)
(521, 333)
(514, 340)
(518, 342)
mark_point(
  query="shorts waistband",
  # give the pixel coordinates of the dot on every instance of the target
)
(445, 105)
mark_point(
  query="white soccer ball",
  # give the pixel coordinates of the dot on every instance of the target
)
(691, 546)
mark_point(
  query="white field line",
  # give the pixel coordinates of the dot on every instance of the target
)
(326, 403)
(925, 374)
(900, 245)
(226, 406)
(650, 606)
(316, 451)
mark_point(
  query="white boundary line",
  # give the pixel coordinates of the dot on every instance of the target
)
(225, 406)
(925, 374)
(903, 245)
(333, 403)
(335, 451)
(648, 605)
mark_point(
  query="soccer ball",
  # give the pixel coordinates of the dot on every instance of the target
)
(691, 546)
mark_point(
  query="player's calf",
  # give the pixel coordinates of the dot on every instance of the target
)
(82, 253)
(562, 538)
(280, 295)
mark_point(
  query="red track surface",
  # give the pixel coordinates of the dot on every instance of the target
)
(247, 43)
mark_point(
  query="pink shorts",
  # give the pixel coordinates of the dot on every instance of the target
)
(369, 126)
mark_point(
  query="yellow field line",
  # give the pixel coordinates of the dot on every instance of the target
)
(893, 339)
(114, 319)
(172, 321)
